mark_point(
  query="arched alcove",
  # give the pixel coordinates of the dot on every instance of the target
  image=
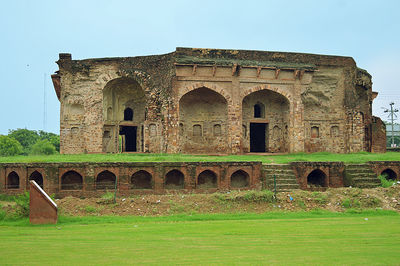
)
(272, 106)
(240, 179)
(207, 179)
(106, 180)
(13, 180)
(124, 100)
(37, 177)
(389, 174)
(174, 179)
(141, 180)
(200, 110)
(317, 178)
(71, 180)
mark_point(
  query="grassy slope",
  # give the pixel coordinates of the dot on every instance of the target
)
(263, 239)
(324, 156)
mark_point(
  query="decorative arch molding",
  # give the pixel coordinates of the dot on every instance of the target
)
(208, 85)
(141, 77)
(278, 90)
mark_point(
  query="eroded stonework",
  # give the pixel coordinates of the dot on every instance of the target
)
(213, 101)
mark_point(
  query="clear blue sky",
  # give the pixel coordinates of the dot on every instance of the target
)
(34, 32)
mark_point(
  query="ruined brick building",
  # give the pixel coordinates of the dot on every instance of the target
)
(216, 102)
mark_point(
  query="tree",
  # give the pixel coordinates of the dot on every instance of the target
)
(54, 139)
(43, 147)
(24, 136)
(9, 146)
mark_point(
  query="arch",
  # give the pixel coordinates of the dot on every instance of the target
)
(207, 179)
(127, 100)
(106, 180)
(174, 179)
(71, 180)
(199, 111)
(37, 177)
(128, 114)
(207, 85)
(267, 87)
(259, 110)
(389, 174)
(13, 180)
(317, 178)
(240, 179)
(141, 180)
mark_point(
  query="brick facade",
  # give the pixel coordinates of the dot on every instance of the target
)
(215, 102)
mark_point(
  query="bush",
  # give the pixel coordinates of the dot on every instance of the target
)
(384, 182)
(43, 147)
(9, 146)
(22, 202)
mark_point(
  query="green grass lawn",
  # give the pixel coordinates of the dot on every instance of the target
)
(142, 157)
(272, 238)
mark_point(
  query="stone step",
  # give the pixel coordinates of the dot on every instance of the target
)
(280, 171)
(277, 166)
(278, 176)
(283, 181)
(360, 176)
(366, 185)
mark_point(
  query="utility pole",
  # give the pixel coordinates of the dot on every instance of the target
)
(392, 112)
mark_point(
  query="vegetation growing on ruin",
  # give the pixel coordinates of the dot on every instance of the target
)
(360, 157)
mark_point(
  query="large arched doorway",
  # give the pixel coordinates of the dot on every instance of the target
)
(265, 114)
(124, 108)
(37, 177)
(203, 125)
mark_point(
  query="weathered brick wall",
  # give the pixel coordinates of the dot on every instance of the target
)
(378, 135)
(202, 100)
(57, 177)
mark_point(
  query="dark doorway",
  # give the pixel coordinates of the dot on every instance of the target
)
(130, 134)
(389, 174)
(257, 137)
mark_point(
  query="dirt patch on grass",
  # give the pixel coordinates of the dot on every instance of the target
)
(339, 199)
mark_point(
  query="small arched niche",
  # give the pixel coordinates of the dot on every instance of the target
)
(259, 110)
(389, 174)
(317, 178)
(105, 180)
(71, 180)
(141, 180)
(174, 179)
(240, 179)
(207, 179)
(13, 180)
(37, 177)
(128, 114)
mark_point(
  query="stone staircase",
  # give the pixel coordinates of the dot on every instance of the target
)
(285, 178)
(360, 175)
